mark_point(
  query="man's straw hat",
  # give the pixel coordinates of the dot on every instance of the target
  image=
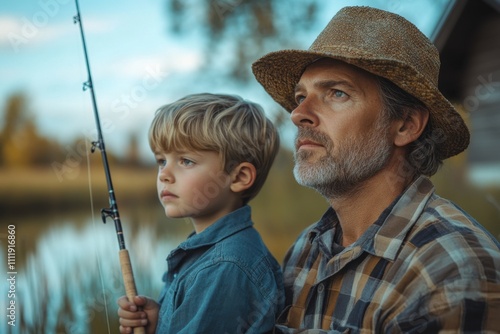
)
(381, 43)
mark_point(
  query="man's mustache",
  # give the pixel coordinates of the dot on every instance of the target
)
(313, 135)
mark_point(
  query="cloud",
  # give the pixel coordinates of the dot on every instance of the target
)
(7, 25)
(18, 33)
(175, 60)
(96, 25)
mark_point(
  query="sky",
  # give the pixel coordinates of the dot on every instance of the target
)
(130, 55)
(136, 64)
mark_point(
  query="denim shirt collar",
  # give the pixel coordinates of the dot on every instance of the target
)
(226, 226)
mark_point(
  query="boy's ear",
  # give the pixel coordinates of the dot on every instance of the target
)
(242, 177)
(410, 128)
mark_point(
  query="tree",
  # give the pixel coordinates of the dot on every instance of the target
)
(246, 29)
(132, 154)
(20, 141)
(15, 115)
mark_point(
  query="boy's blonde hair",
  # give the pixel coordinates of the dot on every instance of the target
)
(237, 129)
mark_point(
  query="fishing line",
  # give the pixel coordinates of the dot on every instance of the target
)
(92, 211)
(98, 256)
(112, 211)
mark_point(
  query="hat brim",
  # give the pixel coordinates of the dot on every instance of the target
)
(279, 72)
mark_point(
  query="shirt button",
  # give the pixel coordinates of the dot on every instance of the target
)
(321, 287)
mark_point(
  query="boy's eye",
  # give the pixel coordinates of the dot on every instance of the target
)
(161, 162)
(186, 162)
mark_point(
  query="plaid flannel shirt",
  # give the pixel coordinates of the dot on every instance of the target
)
(424, 266)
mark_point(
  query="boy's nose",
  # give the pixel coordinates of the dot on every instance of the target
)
(165, 175)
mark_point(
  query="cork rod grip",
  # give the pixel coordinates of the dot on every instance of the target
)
(128, 280)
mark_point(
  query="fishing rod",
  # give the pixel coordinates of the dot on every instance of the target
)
(112, 211)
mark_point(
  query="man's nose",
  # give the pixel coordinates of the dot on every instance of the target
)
(304, 114)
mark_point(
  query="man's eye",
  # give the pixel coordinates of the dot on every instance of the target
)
(339, 93)
(299, 99)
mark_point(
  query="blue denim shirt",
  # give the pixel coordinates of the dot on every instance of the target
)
(223, 280)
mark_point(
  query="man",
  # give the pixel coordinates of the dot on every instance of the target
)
(390, 255)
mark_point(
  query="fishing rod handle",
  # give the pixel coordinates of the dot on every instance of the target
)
(129, 282)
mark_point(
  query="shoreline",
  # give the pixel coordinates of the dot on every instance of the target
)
(38, 190)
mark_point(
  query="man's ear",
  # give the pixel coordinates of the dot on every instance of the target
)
(242, 177)
(410, 128)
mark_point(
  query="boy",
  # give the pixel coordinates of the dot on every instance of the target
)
(214, 153)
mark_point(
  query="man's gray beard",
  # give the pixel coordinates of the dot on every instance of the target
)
(357, 160)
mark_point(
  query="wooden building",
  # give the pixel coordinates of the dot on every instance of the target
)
(468, 38)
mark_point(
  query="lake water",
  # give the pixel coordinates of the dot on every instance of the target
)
(66, 276)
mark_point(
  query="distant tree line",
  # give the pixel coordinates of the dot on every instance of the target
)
(22, 144)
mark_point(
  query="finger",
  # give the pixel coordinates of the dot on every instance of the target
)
(125, 330)
(145, 303)
(133, 323)
(125, 304)
(131, 315)
(140, 300)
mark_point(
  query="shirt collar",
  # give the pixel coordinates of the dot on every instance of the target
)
(221, 229)
(386, 235)
(398, 221)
